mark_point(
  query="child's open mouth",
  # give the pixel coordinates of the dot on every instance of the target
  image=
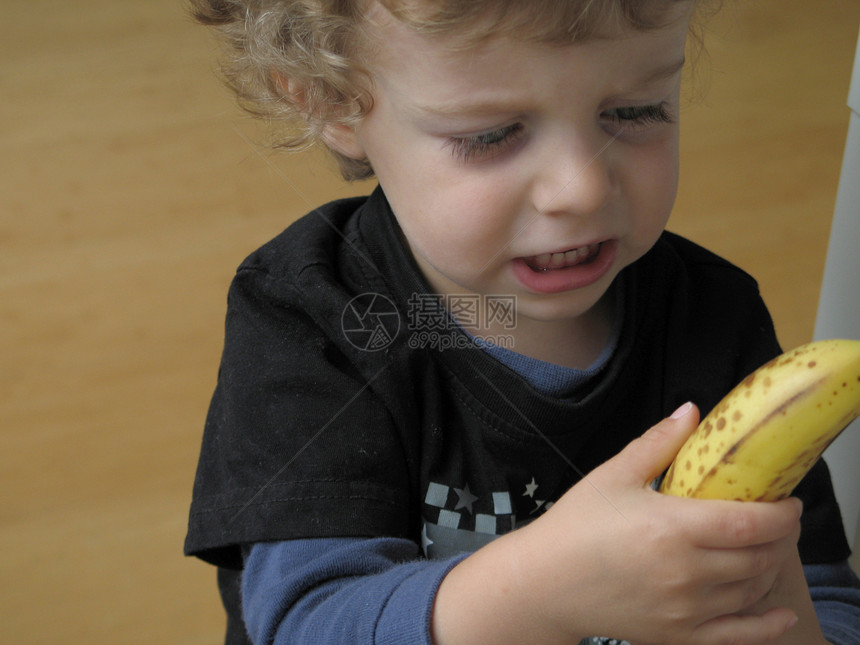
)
(567, 270)
(563, 260)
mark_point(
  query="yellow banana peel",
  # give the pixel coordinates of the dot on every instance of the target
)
(765, 435)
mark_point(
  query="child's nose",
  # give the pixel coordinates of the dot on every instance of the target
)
(575, 180)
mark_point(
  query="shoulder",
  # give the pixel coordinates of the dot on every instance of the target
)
(696, 259)
(708, 313)
(314, 266)
(316, 238)
(701, 279)
(290, 296)
(703, 283)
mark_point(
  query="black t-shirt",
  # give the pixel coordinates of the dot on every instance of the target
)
(340, 412)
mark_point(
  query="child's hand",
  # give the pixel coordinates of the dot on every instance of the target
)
(790, 590)
(615, 558)
(632, 563)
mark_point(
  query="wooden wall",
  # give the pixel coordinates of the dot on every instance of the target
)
(130, 189)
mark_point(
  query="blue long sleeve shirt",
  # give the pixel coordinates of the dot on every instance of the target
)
(379, 592)
(340, 590)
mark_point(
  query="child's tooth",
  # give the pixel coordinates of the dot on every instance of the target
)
(557, 260)
(548, 261)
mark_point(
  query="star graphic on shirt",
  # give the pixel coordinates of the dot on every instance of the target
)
(425, 539)
(531, 487)
(464, 498)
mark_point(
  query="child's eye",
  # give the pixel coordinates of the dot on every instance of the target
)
(640, 115)
(486, 144)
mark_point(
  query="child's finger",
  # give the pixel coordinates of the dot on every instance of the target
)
(721, 524)
(649, 455)
(747, 564)
(746, 630)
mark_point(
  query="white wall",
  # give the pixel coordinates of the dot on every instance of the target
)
(839, 306)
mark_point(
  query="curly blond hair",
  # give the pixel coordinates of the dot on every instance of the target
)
(299, 63)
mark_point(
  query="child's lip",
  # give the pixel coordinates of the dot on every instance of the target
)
(562, 259)
(535, 275)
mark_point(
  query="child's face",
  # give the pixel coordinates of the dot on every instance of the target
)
(523, 169)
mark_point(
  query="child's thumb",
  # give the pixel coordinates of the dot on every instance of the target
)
(649, 455)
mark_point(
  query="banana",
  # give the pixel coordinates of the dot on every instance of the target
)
(763, 437)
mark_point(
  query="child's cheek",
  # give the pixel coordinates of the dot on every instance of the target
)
(650, 185)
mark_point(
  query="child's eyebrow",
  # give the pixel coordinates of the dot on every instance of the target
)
(665, 71)
(464, 107)
(478, 108)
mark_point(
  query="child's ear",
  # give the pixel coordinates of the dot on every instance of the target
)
(343, 139)
(340, 137)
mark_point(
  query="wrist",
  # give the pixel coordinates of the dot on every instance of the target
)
(791, 590)
(494, 596)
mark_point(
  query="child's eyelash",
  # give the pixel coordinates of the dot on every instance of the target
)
(488, 143)
(642, 114)
(484, 144)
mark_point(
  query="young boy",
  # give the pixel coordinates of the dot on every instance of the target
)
(408, 378)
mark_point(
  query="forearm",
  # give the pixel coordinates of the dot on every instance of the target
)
(807, 630)
(491, 598)
(791, 590)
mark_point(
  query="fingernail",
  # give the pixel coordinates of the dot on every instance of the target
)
(682, 411)
(798, 504)
(792, 622)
